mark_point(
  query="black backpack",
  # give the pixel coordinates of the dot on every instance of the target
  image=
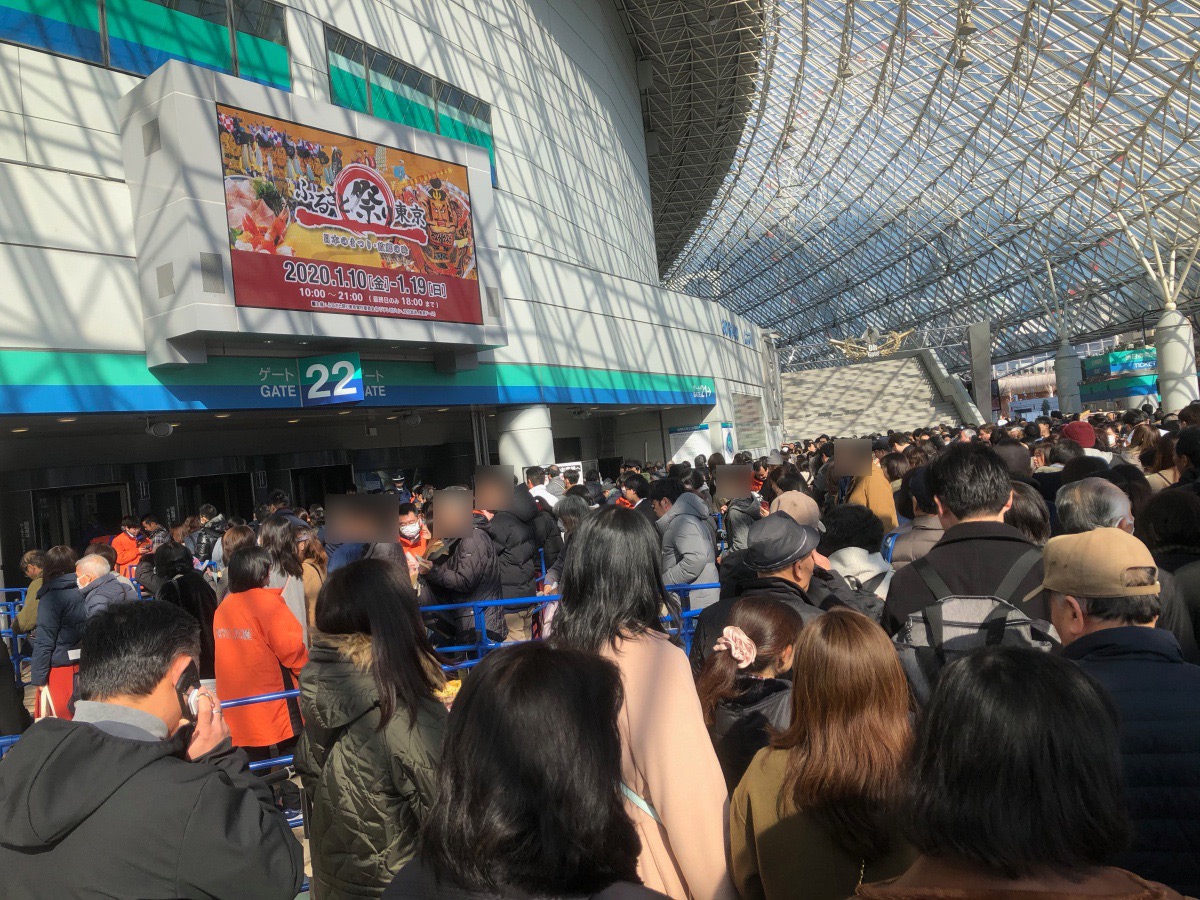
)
(955, 624)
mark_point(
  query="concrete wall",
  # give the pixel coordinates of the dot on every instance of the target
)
(572, 205)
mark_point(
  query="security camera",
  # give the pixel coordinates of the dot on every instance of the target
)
(159, 429)
(412, 419)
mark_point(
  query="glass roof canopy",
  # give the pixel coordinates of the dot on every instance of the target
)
(924, 164)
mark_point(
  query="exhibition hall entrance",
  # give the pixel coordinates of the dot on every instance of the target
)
(231, 494)
(79, 515)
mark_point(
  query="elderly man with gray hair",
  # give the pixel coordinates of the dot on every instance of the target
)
(1092, 503)
(99, 584)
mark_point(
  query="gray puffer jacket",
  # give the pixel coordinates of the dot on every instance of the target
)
(105, 591)
(689, 556)
(739, 516)
(370, 790)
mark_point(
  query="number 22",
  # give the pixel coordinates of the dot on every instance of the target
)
(318, 391)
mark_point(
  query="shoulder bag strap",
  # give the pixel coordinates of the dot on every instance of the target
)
(640, 802)
(1012, 581)
(932, 579)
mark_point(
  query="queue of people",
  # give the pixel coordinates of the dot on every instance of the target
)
(1005, 711)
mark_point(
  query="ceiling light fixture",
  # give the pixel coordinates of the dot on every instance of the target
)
(19, 430)
(224, 415)
(293, 421)
(966, 27)
(66, 419)
(963, 61)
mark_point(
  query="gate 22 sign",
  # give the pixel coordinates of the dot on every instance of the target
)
(329, 380)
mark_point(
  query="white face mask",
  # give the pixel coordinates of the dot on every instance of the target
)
(410, 531)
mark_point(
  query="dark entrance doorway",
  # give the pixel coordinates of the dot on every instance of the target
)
(79, 515)
(232, 495)
(315, 484)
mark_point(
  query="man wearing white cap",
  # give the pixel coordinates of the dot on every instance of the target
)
(1103, 592)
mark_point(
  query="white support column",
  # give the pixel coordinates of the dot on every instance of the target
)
(1176, 360)
(526, 438)
(1068, 372)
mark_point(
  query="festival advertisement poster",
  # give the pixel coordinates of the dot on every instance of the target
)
(325, 223)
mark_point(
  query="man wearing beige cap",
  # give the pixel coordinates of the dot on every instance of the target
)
(1103, 593)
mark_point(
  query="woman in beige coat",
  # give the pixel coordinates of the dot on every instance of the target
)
(612, 597)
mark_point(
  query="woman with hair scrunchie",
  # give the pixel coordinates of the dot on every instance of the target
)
(744, 691)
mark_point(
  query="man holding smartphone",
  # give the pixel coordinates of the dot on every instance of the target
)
(142, 794)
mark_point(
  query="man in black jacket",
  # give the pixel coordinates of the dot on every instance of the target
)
(636, 491)
(512, 531)
(465, 569)
(212, 527)
(128, 801)
(972, 491)
(780, 556)
(1103, 602)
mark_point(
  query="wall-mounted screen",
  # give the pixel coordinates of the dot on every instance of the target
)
(325, 223)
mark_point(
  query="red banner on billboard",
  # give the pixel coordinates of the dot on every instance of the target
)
(276, 282)
(326, 223)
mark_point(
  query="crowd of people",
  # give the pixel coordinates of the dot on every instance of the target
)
(959, 662)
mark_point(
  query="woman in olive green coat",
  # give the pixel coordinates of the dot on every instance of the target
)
(816, 813)
(372, 729)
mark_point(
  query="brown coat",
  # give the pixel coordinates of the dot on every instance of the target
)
(874, 491)
(771, 856)
(931, 880)
(915, 540)
(669, 761)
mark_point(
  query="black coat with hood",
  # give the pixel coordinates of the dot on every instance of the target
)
(370, 789)
(468, 572)
(208, 535)
(61, 618)
(86, 812)
(512, 531)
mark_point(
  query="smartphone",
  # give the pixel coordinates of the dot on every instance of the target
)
(187, 688)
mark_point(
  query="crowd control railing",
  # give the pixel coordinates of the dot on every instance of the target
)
(684, 630)
(11, 602)
(483, 643)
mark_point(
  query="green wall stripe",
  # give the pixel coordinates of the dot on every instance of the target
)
(349, 90)
(151, 25)
(43, 367)
(263, 60)
(80, 13)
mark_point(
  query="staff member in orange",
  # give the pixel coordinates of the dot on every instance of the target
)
(259, 650)
(414, 536)
(129, 545)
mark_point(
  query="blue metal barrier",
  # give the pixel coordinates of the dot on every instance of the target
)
(684, 630)
(11, 602)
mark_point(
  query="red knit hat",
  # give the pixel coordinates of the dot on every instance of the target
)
(1081, 433)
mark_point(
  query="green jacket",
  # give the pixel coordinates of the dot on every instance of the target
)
(776, 858)
(370, 790)
(27, 617)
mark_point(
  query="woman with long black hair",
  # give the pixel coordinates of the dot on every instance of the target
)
(612, 601)
(188, 589)
(372, 728)
(529, 798)
(277, 536)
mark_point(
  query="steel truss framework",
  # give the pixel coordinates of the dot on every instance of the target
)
(697, 69)
(929, 163)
